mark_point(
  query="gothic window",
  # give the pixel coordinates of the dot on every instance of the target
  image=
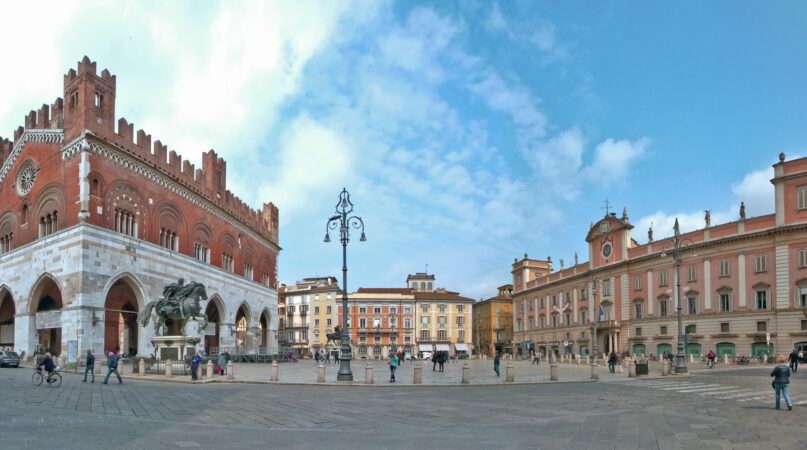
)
(48, 224)
(169, 239)
(201, 252)
(248, 271)
(227, 262)
(95, 187)
(125, 222)
(6, 242)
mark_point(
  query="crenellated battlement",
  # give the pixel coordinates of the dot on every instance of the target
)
(90, 105)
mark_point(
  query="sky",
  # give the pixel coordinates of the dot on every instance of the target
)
(467, 133)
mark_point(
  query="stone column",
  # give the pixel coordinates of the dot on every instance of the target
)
(168, 368)
(273, 374)
(594, 372)
(665, 369)
(321, 373)
(509, 373)
(631, 369)
(418, 375)
(210, 368)
(142, 367)
(230, 370)
(368, 374)
(466, 373)
(553, 372)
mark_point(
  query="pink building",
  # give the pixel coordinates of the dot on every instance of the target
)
(743, 286)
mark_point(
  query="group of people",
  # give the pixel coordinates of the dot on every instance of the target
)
(221, 363)
(321, 355)
(439, 358)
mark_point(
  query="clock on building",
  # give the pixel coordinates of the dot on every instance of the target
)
(606, 249)
(26, 177)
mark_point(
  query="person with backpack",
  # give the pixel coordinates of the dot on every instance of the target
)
(393, 364)
(781, 381)
(90, 367)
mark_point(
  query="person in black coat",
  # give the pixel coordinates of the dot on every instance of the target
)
(794, 360)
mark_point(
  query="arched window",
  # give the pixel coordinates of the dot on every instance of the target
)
(48, 224)
(125, 222)
(24, 218)
(95, 187)
(169, 239)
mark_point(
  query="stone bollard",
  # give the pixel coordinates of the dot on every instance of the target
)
(368, 374)
(553, 372)
(466, 373)
(595, 372)
(230, 370)
(168, 368)
(691, 357)
(725, 359)
(631, 369)
(579, 359)
(142, 367)
(210, 368)
(418, 376)
(321, 373)
(509, 373)
(273, 375)
(665, 369)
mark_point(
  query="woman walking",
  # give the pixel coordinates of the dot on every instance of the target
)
(781, 381)
(393, 364)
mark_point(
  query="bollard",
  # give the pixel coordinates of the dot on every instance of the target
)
(725, 359)
(273, 375)
(230, 370)
(579, 359)
(691, 358)
(168, 368)
(510, 376)
(665, 369)
(321, 373)
(418, 376)
(142, 367)
(553, 372)
(594, 372)
(210, 368)
(631, 370)
(368, 374)
(466, 373)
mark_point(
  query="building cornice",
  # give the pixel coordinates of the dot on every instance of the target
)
(43, 136)
(124, 158)
(655, 255)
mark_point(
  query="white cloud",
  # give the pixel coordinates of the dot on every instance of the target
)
(756, 190)
(496, 20)
(511, 98)
(613, 160)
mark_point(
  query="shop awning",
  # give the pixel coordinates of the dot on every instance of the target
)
(443, 348)
(425, 348)
(461, 347)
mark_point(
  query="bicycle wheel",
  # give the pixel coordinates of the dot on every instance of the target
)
(36, 378)
(55, 380)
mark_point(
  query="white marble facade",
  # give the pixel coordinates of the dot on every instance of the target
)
(85, 261)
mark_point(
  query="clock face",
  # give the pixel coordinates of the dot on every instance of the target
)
(606, 250)
(26, 177)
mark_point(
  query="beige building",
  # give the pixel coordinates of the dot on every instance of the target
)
(743, 285)
(493, 323)
(443, 321)
(306, 318)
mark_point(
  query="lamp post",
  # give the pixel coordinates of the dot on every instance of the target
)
(594, 347)
(680, 358)
(344, 221)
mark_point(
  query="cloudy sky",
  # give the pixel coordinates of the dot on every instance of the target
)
(467, 133)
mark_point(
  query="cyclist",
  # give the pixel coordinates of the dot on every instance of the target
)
(48, 365)
(711, 362)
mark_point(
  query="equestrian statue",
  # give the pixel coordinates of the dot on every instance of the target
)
(335, 336)
(180, 301)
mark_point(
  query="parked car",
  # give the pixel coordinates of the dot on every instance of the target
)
(408, 356)
(9, 358)
(462, 355)
(426, 355)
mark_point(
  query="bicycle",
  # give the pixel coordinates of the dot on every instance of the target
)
(54, 378)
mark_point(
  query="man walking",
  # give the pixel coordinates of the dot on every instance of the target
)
(496, 361)
(90, 366)
(113, 367)
(794, 361)
(612, 362)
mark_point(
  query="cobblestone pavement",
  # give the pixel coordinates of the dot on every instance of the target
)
(624, 413)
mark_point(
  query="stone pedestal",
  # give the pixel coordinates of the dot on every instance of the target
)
(553, 372)
(210, 369)
(509, 373)
(142, 367)
(168, 368)
(174, 347)
(631, 369)
(665, 369)
(418, 376)
(230, 373)
(725, 359)
(595, 372)
(466, 373)
(273, 375)
(321, 373)
(368, 374)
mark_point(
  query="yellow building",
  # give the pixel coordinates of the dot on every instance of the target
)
(325, 314)
(309, 308)
(493, 323)
(443, 321)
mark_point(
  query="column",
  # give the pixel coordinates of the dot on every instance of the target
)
(650, 300)
(575, 313)
(707, 285)
(84, 184)
(782, 276)
(741, 278)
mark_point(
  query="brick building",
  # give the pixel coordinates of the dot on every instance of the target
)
(743, 285)
(95, 220)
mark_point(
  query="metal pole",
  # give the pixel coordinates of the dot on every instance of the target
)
(594, 347)
(680, 360)
(344, 354)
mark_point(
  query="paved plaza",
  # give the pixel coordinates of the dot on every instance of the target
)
(723, 408)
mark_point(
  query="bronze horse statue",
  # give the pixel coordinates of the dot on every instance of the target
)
(179, 302)
(336, 336)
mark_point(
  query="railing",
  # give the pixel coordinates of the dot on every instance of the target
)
(157, 367)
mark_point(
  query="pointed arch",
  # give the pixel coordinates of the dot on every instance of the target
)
(38, 289)
(216, 300)
(134, 284)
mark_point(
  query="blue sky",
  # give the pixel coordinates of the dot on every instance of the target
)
(467, 133)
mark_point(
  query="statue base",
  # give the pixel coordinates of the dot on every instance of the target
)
(174, 348)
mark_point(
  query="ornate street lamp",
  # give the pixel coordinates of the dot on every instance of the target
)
(344, 222)
(680, 358)
(594, 345)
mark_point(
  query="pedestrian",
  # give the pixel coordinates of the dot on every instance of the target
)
(112, 366)
(393, 364)
(316, 357)
(434, 361)
(400, 357)
(496, 361)
(327, 357)
(781, 381)
(221, 364)
(195, 366)
(794, 361)
(612, 362)
(90, 367)
(442, 360)
(336, 358)
(537, 359)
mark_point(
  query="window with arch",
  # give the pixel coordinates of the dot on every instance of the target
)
(248, 271)
(241, 332)
(48, 223)
(227, 262)
(95, 187)
(24, 213)
(125, 222)
(201, 252)
(583, 316)
(169, 239)
(530, 323)
(363, 350)
(554, 320)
